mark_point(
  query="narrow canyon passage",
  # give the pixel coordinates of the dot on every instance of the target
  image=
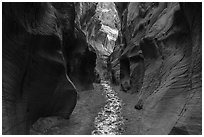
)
(109, 120)
(102, 68)
(103, 111)
(99, 116)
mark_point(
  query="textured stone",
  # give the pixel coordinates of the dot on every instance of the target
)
(169, 83)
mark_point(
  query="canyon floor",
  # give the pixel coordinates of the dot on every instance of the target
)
(88, 106)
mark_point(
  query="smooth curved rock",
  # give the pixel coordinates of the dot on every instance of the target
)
(169, 36)
(45, 62)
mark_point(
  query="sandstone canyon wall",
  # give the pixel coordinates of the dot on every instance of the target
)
(160, 60)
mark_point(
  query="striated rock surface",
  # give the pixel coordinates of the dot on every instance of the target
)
(153, 50)
(45, 60)
(161, 62)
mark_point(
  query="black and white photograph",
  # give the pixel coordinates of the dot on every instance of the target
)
(101, 68)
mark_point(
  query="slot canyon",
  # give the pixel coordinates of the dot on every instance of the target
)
(101, 68)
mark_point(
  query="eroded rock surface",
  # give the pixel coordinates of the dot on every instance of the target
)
(162, 64)
(46, 61)
(51, 51)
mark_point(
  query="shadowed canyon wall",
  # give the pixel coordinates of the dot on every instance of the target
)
(46, 60)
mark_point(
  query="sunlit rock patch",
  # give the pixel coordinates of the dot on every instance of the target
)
(108, 17)
(109, 121)
(100, 23)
